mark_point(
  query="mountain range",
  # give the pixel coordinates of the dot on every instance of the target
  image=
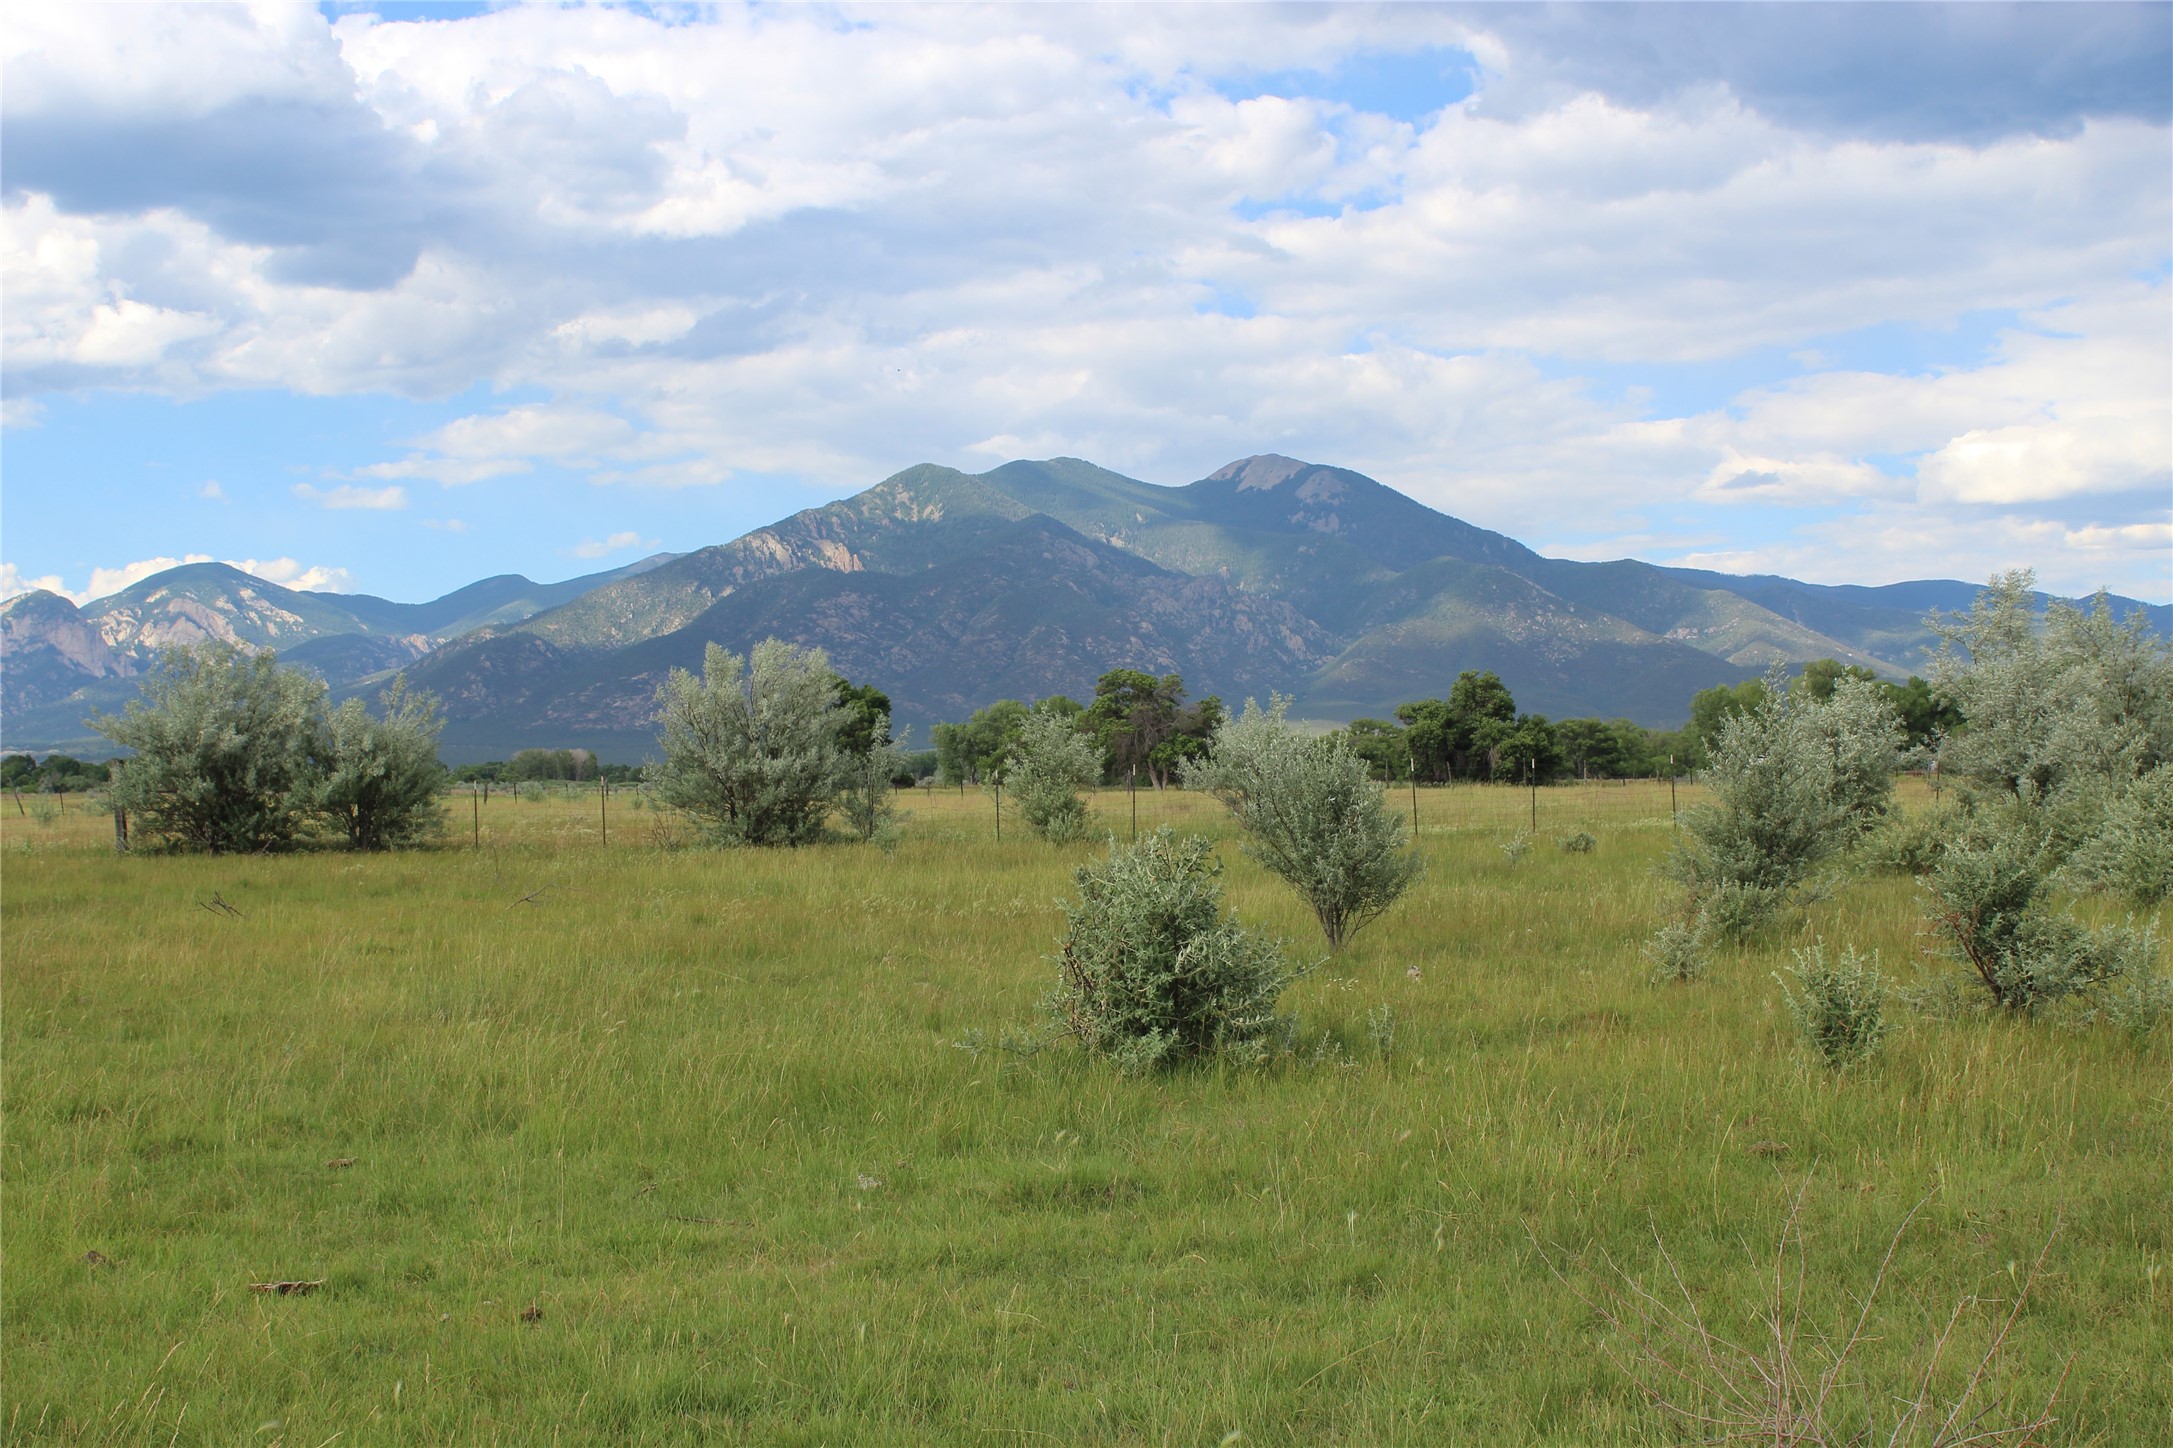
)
(948, 590)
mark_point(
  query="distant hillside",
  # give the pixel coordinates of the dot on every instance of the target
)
(59, 663)
(949, 589)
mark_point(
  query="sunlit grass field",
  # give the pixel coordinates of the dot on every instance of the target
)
(619, 1142)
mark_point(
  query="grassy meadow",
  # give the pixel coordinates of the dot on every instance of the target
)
(617, 1142)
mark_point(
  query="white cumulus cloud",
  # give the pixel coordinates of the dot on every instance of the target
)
(598, 547)
(347, 495)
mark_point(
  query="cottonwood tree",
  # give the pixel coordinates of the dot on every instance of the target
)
(973, 752)
(226, 750)
(382, 780)
(1459, 735)
(751, 747)
(1311, 814)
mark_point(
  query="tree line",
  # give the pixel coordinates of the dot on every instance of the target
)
(1143, 730)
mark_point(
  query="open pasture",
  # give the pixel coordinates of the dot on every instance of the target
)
(630, 1143)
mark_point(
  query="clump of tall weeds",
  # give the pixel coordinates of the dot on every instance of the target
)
(1798, 1383)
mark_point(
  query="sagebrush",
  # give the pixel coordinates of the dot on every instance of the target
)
(1151, 970)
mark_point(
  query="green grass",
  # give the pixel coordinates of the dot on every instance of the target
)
(704, 1111)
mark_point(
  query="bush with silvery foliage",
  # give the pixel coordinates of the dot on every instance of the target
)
(750, 747)
(2131, 853)
(868, 788)
(1987, 898)
(1151, 971)
(1839, 1006)
(2062, 774)
(1791, 784)
(1312, 815)
(381, 778)
(1048, 768)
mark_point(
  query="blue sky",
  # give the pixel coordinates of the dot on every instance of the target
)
(390, 298)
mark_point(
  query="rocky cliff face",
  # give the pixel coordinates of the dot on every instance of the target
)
(48, 650)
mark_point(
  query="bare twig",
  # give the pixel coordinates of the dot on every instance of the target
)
(1772, 1395)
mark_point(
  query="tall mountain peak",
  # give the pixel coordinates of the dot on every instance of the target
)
(1262, 471)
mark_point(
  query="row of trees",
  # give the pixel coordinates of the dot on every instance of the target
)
(1139, 724)
(538, 766)
(54, 774)
(1477, 732)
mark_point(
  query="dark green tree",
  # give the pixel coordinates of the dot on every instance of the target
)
(1820, 675)
(1382, 746)
(1924, 714)
(1426, 736)
(1711, 708)
(1482, 715)
(864, 718)
(974, 752)
(1133, 715)
(1590, 748)
(1527, 750)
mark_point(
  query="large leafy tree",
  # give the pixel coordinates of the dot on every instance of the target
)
(1458, 737)
(864, 717)
(1383, 746)
(974, 752)
(1426, 736)
(226, 747)
(1924, 715)
(1482, 715)
(751, 747)
(1526, 750)
(1133, 715)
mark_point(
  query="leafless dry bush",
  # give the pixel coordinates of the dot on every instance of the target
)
(1797, 1385)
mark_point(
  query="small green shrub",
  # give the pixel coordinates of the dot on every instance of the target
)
(1909, 843)
(1518, 846)
(1381, 1029)
(1840, 1007)
(1680, 950)
(868, 787)
(1152, 972)
(1738, 910)
(2141, 1001)
(1580, 843)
